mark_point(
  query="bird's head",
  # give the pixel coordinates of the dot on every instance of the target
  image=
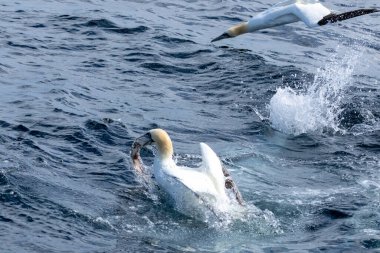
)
(158, 137)
(233, 32)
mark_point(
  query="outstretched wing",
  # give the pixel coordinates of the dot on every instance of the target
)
(310, 13)
(332, 18)
(289, 2)
(213, 168)
(221, 175)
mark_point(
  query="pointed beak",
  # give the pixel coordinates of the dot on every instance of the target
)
(137, 145)
(222, 37)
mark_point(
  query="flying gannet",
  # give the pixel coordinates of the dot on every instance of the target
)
(311, 12)
(210, 184)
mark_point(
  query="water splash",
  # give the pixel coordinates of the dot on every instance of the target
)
(318, 106)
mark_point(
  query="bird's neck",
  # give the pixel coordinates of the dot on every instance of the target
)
(165, 151)
(238, 29)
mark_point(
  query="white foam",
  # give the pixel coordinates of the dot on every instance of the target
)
(319, 105)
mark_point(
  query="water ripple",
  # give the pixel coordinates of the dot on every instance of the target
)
(82, 79)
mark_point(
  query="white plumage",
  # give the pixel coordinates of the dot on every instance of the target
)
(311, 12)
(206, 181)
(192, 189)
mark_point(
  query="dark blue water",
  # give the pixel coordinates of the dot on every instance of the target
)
(293, 112)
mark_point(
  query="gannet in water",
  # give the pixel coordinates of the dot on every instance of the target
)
(311, 12)
(210, 184)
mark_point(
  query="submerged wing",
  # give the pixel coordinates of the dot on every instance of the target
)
(198, 195)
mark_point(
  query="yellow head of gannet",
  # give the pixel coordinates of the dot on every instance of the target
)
(311, 12)
(234, 31)
(157, 136)
(163, 143)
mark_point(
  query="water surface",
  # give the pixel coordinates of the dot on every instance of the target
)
(293, 112)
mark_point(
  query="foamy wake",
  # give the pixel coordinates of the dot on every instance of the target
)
(319, 105)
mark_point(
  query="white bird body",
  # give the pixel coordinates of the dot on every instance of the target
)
(206, 181)
(192, 189)
(311, 12)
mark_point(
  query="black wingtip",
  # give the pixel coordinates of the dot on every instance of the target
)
(333, 18)
(222, 37)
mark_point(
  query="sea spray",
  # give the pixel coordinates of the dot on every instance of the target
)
(318, 106)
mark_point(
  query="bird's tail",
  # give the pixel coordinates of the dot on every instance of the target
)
(332, 18)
